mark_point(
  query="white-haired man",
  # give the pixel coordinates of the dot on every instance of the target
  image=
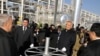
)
(7, 45)
(67, 38)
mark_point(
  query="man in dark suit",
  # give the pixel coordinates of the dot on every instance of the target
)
(23, 37)
(93, 47)
(54, 37)
(7, 44)
(67, 39)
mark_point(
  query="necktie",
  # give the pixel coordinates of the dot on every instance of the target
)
(59, 35)
(24, 29)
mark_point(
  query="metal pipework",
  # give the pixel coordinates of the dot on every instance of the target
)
(77, 12)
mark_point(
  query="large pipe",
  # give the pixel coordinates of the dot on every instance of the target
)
(46, 52)
(55, 14)
(77, 12)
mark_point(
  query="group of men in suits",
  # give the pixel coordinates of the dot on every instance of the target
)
(23, 37)
(63, 40)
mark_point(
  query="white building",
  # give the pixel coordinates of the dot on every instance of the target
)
(42, 11)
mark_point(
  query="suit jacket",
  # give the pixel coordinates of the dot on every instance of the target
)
(38, 38)
(54, 39)
(92, 49)
(23, 38)
(41, 36)
(7, 44)
(67, 39)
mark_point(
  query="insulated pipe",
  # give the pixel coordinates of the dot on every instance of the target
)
(77, 12)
